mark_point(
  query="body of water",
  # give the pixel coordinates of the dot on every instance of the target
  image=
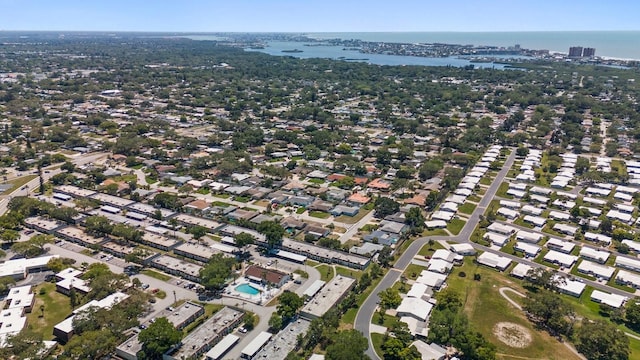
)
(337, 52)
(247, 289)
(614, 44)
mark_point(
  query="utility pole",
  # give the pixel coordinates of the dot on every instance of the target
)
(175, 300)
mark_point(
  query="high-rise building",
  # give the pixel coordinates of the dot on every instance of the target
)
(588, 52)
(575, 51)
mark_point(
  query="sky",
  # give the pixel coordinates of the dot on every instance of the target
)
(319, 15)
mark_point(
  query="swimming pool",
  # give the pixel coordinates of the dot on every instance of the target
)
(247, 289)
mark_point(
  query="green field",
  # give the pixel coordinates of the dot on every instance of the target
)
(467, 208)
(455, 225)
(18, 183)
(486, 307)
(56, 308)
(156, 275)
(319, 214)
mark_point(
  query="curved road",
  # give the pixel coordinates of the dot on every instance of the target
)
(366, 311)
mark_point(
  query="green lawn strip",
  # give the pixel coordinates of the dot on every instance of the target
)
(612, 282)
(349, 316)
(156, 275)
(352, 219)
(56, 308)
(435, 232)
(502, 191)
(300, 210)
(19, 183)
(428, 250)
(326, 272)
(316, 181)
(376, 340)
(319, 214)
(474, 198)
(242, 199)
(455, 225)
(509, 249)
(486, 181)
(413, 271)
(540, 259)
(467, 208)
(352, 273)
(220, 203)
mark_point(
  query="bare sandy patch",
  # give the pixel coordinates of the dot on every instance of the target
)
(514, 335)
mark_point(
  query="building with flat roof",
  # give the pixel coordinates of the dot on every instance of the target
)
(12, 321)
(221, 348)
(47, 226)
(334, 291)
(20, 297)
(613, 300)
(177, 267)
(78, 236)
(571, 287)
(596, 270)
(205, 336)
(158, 241)
(560, 259)
(600, 256)
(629, 279)
(150, 210)
(495, 261)
(20, 268)
(250, 351)
(313, 289)
(197, 252)
(560, 245)
(627, 263)
(111, 200)
(520, 270)
(190, 220)
(74, 191)
(70, 278)
(284, 341)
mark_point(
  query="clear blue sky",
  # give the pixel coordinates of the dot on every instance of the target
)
(319, 15)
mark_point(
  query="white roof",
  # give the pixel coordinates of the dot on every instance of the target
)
(431, 279)
(445, 255)
(535, 220)
(256, 344)
(418, 290)
(540, 190)
(516, 193)
(501, 228)
(463, 248)
(442, 215)
(314, 288)
(435, 224)
(594, 200)
(509, 213)
(633, 245)
(19, 267)
(597, 237)
(559, 215)
(532, 210)
(625, 208)
(595, 254)
(612, 300)
(415, 307)
(510, 204)
(520, 270)
(496, 238)
(628, 277)
(517, 186)
(440, 266)
(220, 348)
(493, 260)
(529, 236)
(529, 249)
(627, 263)
(618, 215)
(622, 196)
(595, 269)
(449, 206)
(572, 287)
(559, 258)
(567, 229)
(563, 246)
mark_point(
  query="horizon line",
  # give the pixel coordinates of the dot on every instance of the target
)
(321, 32)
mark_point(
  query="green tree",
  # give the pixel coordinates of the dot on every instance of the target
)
(215, 274)
(34, 246)
(272, 231)
(94, 344)
(385, 206)
(601, 340)
(348, 345)
(415, 219)
(275, 322)
(198, 231)
(157, 339)
(548, 310)
(9, 236)
(389, 298)
(288, 305)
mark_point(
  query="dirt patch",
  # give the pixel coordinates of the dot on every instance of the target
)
(514, 335)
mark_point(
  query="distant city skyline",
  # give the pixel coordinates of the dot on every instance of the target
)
(319, 16)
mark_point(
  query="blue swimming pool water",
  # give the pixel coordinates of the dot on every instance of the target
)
(247, 289)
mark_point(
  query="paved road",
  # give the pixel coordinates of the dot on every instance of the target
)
(33, 185)
(353, 229)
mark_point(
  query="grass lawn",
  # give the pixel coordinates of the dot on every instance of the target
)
(203, 191)
(222, 196)
(300, 210)
(428, 250)
(352, 219)
(474, 198)
(413, 271)
(19, 182)
(614, 284)
(509, 249)
(467, 208)
(485, 307)
(435, 232)
(349, 316)
(502, 191)
(326, 272)
(316, 181)
(156, 275)
(221, 203)
(352, 273)
(455, 225)
(486, 181)
(521, 222)
(376, 340)
(56, 308)
(150, 180)
(242, 199)
(319, 214)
